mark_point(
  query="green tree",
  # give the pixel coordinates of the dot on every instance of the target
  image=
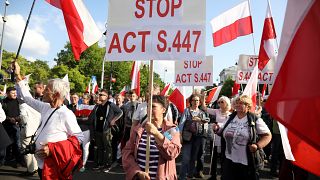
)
(226, 89)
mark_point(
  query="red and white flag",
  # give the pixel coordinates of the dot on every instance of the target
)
(165, 90)
(84, 110)
(235, 89)
(213, 94)
(94, 83)
(268, 45)
(88, 88)
(295, 97)
(251, 88)
(178, 98)
(135, 77)
(231, 24)
(123, 91)
(82, 30)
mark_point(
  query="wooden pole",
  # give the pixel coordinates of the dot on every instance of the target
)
(149, 114)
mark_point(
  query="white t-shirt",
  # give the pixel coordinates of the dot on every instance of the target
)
(220, 119)
(60, 126)
(236, 135)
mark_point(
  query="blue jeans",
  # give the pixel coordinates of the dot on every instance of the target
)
(190, 153)
(198, 147)
(186, 157)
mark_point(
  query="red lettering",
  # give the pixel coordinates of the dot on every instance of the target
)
(175, 6)
(159, 8)
(162, 40)
(150, 10)
(185, 64)
(196, 79)
(133, 47)
(115, 43)
(240, 75)
(197, 33)
(143, 40)
(139, 7)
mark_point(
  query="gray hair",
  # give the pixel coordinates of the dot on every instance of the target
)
(227, 100)
(60, 86)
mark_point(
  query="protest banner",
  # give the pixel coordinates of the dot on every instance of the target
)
(246, 65)
(194, 72)
(160, 29)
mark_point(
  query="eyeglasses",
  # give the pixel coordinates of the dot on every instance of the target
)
(220, 102)
(102, 95)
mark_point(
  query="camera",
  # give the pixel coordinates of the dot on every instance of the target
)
(29, 149)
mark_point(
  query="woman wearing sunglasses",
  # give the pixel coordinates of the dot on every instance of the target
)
(221, 115)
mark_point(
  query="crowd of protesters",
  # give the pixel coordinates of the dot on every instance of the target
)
(114, 129)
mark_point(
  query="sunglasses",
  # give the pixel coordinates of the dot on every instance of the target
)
(220, 102)
(102, 95)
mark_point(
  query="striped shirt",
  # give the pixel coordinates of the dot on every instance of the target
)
(154, 154)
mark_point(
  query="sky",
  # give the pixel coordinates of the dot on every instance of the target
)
(47, 35)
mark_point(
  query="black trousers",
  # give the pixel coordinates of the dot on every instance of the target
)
(235, 171)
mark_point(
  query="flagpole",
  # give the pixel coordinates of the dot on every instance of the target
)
(102, 73)
(253, 43)
(4, 18)
(149, 114)
(24, 32)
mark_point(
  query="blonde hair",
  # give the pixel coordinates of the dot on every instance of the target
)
(245, 100)
(227, 100)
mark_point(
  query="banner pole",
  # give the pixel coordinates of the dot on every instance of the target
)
(149, 114)
(21, 41)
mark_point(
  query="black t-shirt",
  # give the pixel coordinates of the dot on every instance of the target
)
(100, 114)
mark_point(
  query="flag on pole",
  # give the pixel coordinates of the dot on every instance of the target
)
(123, 91)
(251, 88)
(178, 98)
(235, 89)
(83, 110)
(135, 77)
(88, 88)
(296, 105)
(94, 83)
(213, 94)
(268, 45)
(82, 30)
(66, 79)
(165, 90)
(231, 24)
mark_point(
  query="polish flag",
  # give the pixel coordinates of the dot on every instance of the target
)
(213, 94)
(295, 97)
(177, 97)
(251, 88)
(235, 89)
(231, 24)
(296, 105)
(83, 110)
(88, 88)
(268, 45)
(95, 87)
(135, 77)
(165, 90)
(123, 91)
(82, 30)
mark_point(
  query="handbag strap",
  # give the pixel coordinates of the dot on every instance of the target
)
(43, 127)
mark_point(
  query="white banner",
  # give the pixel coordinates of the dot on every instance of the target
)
(194, 72)
(246, 65)
(158, 30)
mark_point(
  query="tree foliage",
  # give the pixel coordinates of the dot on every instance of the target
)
(80, 72)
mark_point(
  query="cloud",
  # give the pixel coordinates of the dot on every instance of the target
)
(34, 44)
